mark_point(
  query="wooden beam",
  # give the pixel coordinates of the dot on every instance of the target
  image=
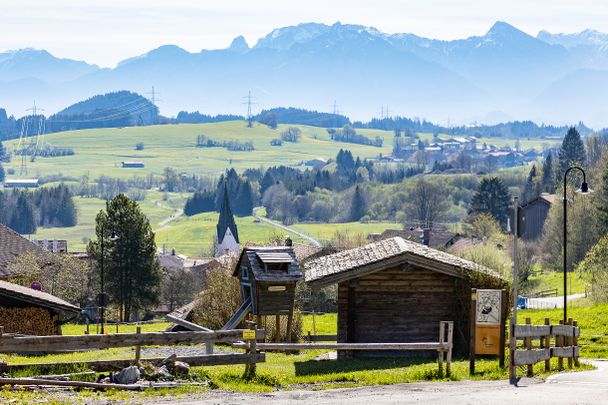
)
(115, 365)
(526, 357)
(349, 346)
(19, 344)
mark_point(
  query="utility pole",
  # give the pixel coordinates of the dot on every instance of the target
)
(32, 146)
(336, 112)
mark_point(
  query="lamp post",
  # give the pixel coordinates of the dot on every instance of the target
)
(102, 295)
(584, 189)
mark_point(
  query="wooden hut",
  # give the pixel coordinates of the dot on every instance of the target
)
(535, 213)
(268, 277)
(31, 312)
(395, 290)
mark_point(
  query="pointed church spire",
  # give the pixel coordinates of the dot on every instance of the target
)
(226, 219)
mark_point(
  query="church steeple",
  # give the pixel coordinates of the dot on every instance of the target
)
(227, 233)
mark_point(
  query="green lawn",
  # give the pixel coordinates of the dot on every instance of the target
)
(326, 324)
(592, 319)
(325, 232)
(548, 281)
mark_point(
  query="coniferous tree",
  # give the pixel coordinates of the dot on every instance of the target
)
(572, 152)
(358, 206)
(133, 274)
(2, 174)
(24, 220)
(244, 200)
(492, 197)
(532, 187)
(548, 177)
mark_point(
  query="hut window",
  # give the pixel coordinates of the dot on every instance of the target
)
(245, 272)
(277, 288)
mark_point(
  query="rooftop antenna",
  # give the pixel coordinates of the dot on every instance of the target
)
(249, 103)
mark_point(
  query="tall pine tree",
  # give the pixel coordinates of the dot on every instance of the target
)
(358, 206)
(132, 272)
(571, 153)
(492, 197)
(548, 175)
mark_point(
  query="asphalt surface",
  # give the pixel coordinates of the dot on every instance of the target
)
(589, 387)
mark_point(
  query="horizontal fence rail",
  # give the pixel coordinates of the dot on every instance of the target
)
(48, 344)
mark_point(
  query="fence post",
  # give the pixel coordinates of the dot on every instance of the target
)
(528, 344)
(547, 345)
(570, 340)
(575, 344)
(448, 365)
(250, 368)
(559, 342)
(440, 351)
(138, 347)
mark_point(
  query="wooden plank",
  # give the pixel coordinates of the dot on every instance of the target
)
(566, 351)
(114, 365)
(17, 344)
(564, 330)
(348, 346)
(526, 357)
(528, 344)
(186, 324)
(546, 341)
(532, 331)
(575, 344)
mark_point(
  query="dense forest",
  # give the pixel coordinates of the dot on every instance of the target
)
(24, 211)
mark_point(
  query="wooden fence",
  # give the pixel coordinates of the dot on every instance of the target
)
(443, 346)
(12, 343)
(565, 344)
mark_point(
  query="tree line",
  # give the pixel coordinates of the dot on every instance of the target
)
(24, 211)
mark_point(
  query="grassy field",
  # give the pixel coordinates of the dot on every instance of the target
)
(325, 232)
(548, 281)
(100, 151)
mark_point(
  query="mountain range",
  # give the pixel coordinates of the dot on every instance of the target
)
(502, 75)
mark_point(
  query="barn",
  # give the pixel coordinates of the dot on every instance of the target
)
(396, 290)
(132, 165)
(535, 213)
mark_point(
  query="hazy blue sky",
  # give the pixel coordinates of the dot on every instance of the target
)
(107, 31)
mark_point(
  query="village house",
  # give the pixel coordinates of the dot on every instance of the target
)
(397, 290)
(535, 213)
(12, 245)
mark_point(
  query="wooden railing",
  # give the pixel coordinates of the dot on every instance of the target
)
(565, 344)
(443, 346)
(11, 343)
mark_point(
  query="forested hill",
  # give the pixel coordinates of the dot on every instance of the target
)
(117, 109)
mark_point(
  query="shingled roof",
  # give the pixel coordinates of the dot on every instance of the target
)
(257, 265)
(39, 298)
(377, 256)
(12, 245)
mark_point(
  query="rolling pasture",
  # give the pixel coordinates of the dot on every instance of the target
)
(99, 152)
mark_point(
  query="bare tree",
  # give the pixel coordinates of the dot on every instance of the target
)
(426, 203)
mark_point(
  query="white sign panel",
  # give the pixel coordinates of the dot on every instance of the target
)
(488, 306)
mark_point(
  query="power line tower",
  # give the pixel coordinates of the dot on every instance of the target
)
(249, 103)
(154, 98)
(36, 125)
(336, 112)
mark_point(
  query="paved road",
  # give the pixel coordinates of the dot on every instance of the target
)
(590, 387)
(551, 302)
(312, 241)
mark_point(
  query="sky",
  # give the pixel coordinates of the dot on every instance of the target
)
(105, 32)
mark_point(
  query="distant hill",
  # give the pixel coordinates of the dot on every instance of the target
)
(117, 109)
(504, 72)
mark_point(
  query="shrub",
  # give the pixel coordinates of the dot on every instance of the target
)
(139, 146)
(219, 299)
(292, 134)
(276, 142)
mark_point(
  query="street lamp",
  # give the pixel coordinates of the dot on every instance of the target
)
(584, 189)
(102, 295)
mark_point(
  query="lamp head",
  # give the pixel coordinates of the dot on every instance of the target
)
(113, 236)
(584, 189)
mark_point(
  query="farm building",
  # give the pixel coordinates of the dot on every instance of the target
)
(535, 213)
(396, 290)
(12, 245)
(132, 165)
(21, 183)
(30, 312)
(53, 245)
(437, 238)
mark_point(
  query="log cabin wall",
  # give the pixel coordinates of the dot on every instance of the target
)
(395, 305)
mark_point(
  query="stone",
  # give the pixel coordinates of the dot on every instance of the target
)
(181, 368)
(129, 375)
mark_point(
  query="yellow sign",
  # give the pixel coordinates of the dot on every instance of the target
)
(487, 339)
(249, 334)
